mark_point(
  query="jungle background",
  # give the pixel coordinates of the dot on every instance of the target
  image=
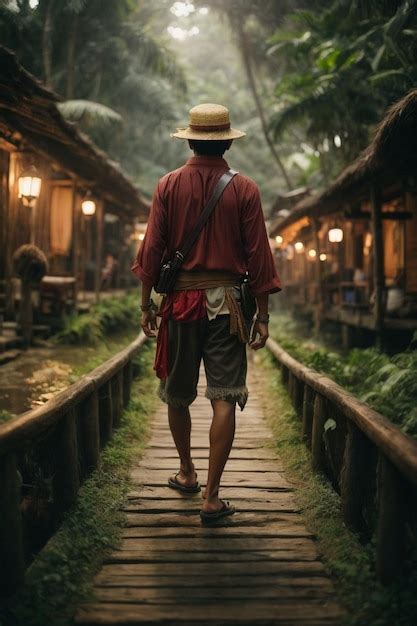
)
(307, 81)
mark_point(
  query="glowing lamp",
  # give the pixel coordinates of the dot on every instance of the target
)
(299, 247)
(335, 235)
(323, 256)
(29, 185)
(279, 240)
(312, 253)
(88, 206)
(141, 236)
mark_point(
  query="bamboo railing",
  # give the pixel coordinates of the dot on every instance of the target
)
(72, 427)
(369, 461)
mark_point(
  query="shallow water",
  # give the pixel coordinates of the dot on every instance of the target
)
(39, 373)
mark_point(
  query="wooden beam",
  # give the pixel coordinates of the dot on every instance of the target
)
(385, 215)
(378, 264)
(99, 248)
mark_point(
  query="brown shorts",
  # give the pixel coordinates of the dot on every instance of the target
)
(224, 358)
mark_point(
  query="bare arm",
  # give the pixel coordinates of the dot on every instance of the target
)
(260, 329)
(148, 318)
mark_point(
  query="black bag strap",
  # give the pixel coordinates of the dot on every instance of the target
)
(221, 185)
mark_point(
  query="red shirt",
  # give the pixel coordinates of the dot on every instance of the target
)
(234, 239)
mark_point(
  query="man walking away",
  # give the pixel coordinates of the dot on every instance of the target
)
(202, 318)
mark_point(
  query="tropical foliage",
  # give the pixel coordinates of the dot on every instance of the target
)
(387, 383)
(339, 70)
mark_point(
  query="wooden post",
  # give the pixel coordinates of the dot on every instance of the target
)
(11, 544)
(318, 313)
(76, 242)
(290, 385)
(317, 442)
(117, 396)
(378, 265)
(308, 405)
(88, 434)
(297, 395)
(99, 248)
(66, 480)
(284, 375)
(127, 382)
(105, 405)
(392, 515)
(355, 477)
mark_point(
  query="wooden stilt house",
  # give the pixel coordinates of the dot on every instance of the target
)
(78, 191)
(349, 254)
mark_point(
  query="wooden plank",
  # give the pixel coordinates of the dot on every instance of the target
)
(137, 556)
(278, 530)
(256, 454)
(173, 595)
(246, 612)
(232, 465)
(192, 520)
(88, 433)
(232, 479)
(220, 543)
(248, 494)
(192, 505)
(214, 581)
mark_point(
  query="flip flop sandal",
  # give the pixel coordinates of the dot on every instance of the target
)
(174, 484)
(227, 509)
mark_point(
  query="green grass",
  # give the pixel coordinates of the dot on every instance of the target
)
(5, 416)
(104, 318)
(352, 564)
(60, 578)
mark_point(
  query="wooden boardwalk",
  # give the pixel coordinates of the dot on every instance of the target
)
(259, 567)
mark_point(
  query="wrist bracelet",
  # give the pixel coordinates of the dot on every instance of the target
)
(147, 307)
(262, 320)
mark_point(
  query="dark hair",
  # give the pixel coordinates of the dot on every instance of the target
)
(209, 148)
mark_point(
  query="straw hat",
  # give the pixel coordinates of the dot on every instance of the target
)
(208, 122)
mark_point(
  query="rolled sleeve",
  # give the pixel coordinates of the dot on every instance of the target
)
(263, 276)
(149, 257)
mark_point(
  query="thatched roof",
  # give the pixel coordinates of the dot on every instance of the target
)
(391, 155)
(29, 110)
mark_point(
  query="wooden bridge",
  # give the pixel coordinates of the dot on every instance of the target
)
(260, 566)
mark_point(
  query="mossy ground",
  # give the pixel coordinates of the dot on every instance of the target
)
(60, 577)
(351, 564)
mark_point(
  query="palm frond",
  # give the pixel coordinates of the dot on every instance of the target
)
(91, 113)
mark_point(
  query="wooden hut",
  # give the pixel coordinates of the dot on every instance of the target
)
(349, 254)
(34, 136)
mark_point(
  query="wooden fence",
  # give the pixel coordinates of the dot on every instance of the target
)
(68, 433)
(369, 460)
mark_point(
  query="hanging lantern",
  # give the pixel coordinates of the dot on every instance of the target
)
(88, 206)
(312, 253)
(279, 240)
(323, 256)
(29, 185)
(299, 247)
(335, 235)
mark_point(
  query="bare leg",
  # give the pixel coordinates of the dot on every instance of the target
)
(222, 433)
(180, 425)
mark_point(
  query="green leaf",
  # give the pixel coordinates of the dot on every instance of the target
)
(329, 424)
